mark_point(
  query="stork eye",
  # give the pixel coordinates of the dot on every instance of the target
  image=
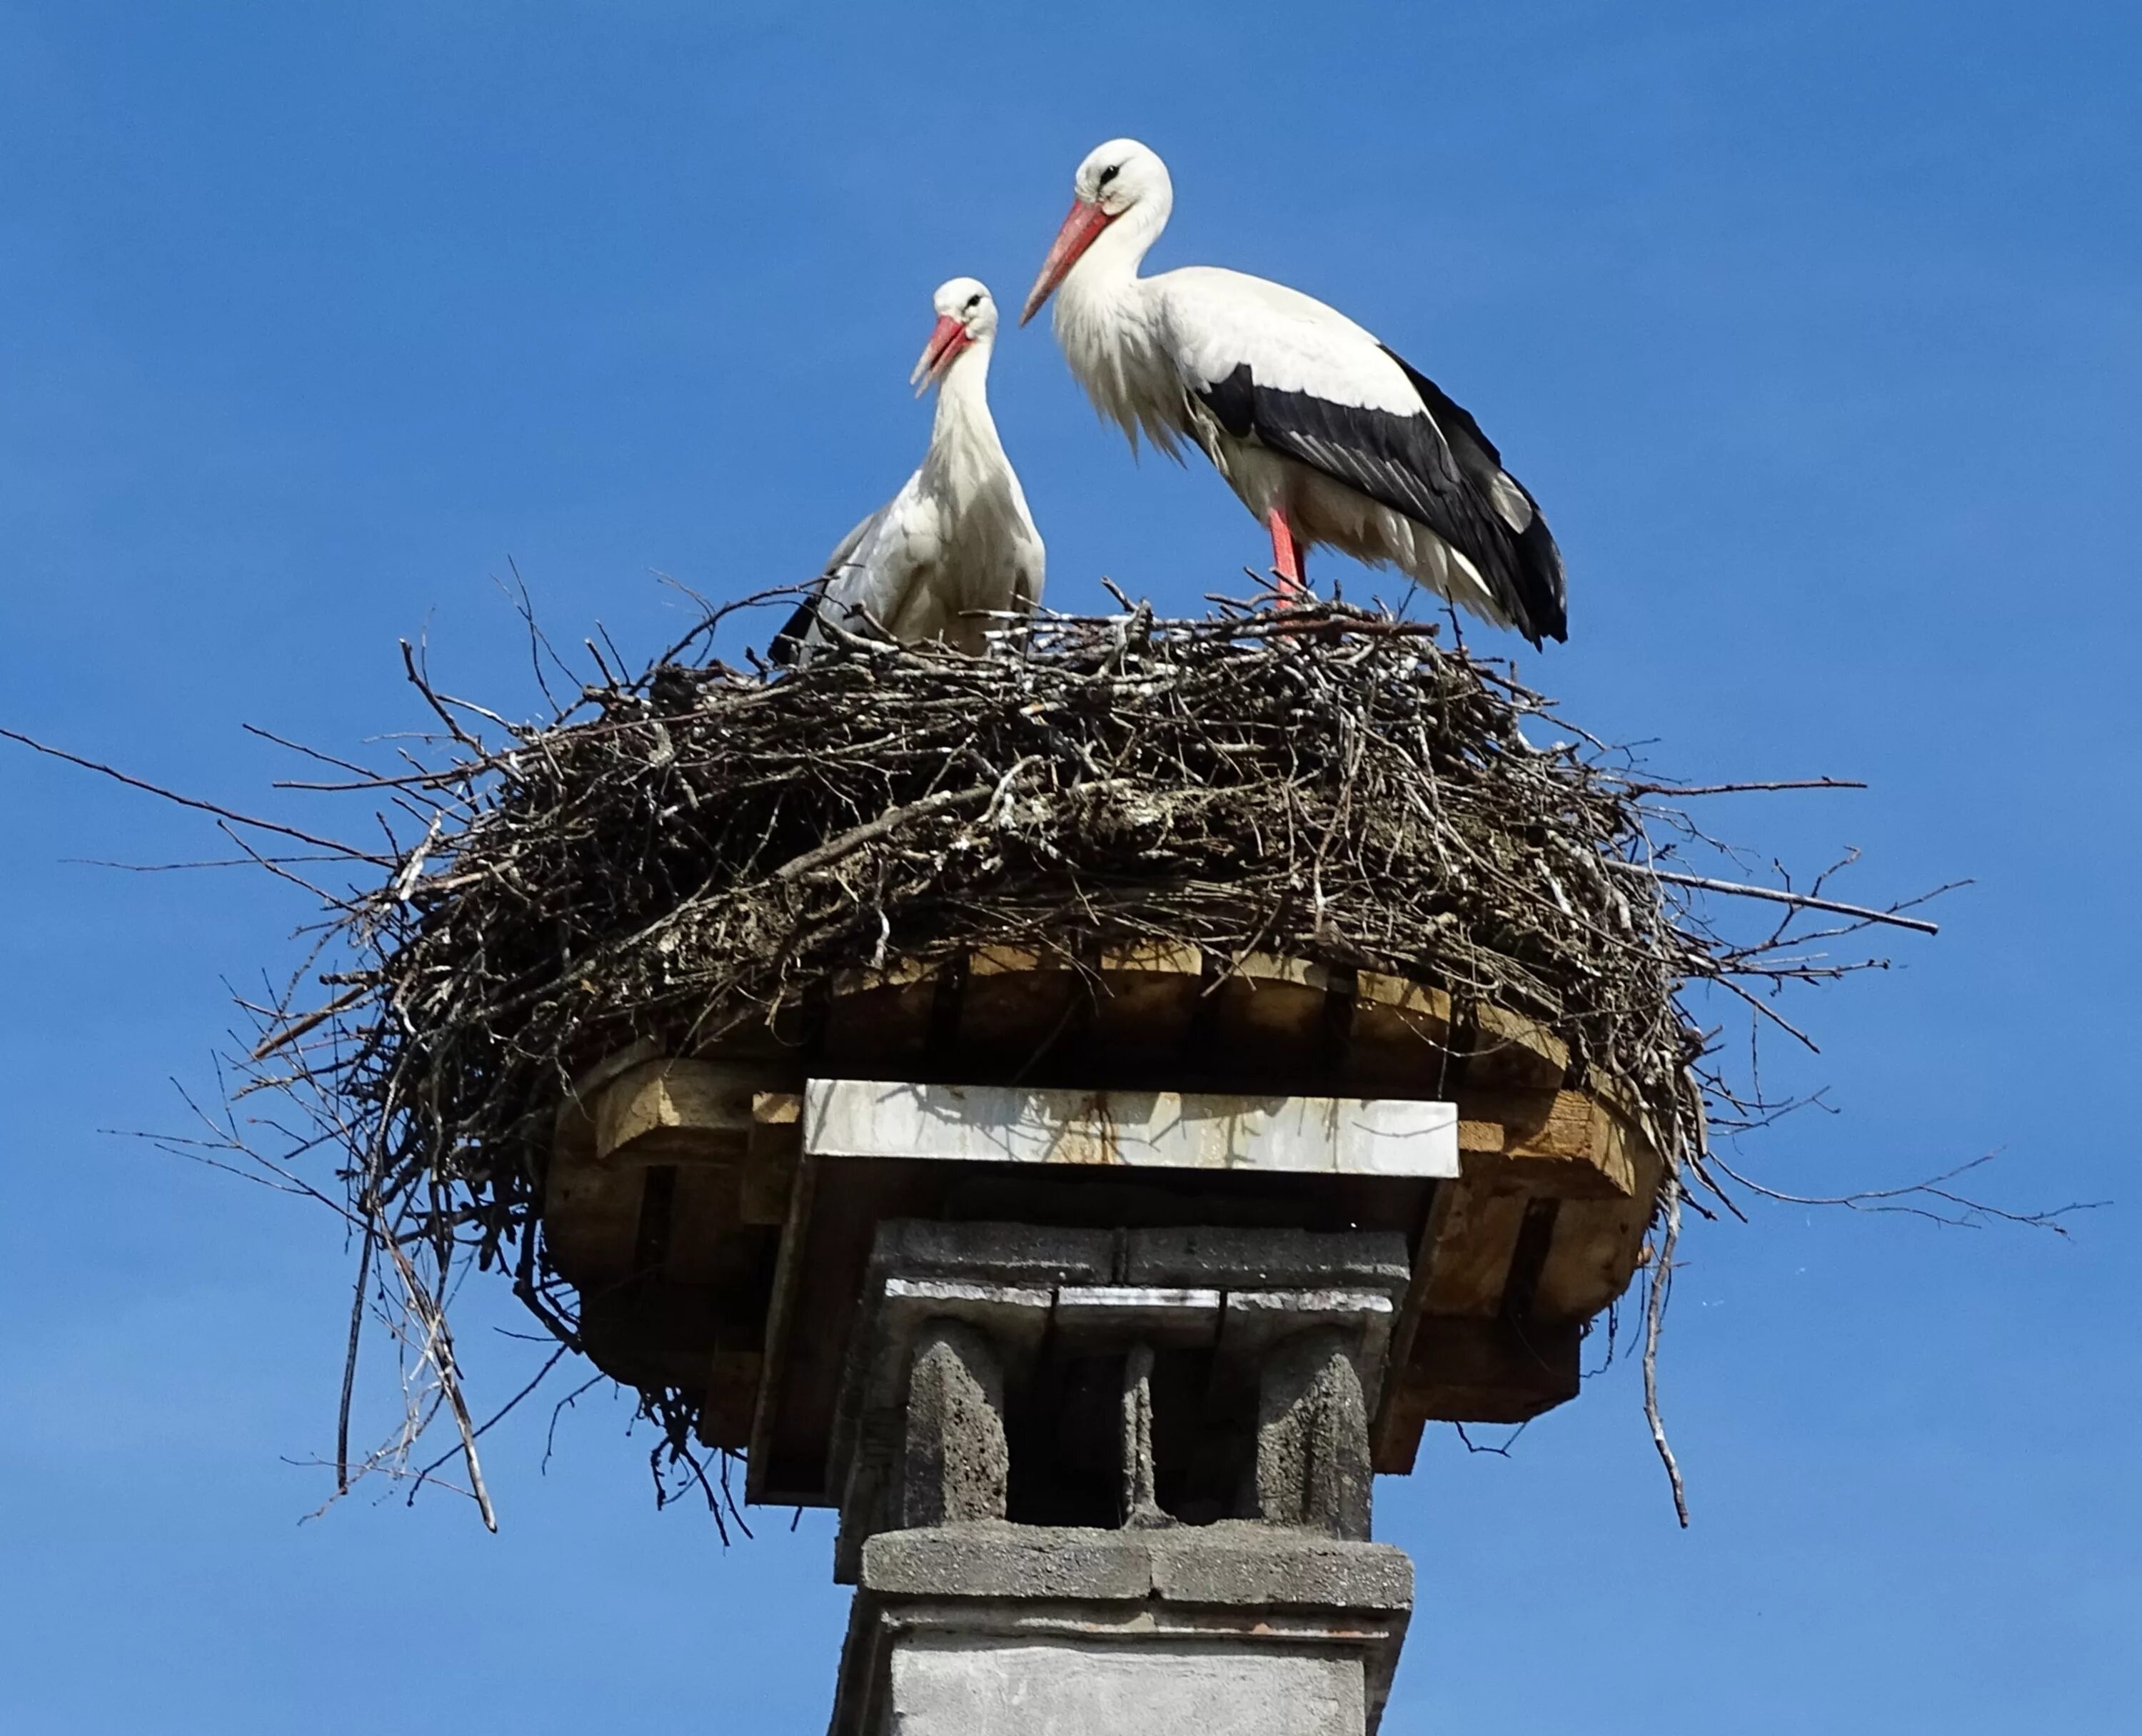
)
(972, 302)
(1109, 174)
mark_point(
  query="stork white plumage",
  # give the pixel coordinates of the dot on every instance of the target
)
(958, 537)
(1326, 435)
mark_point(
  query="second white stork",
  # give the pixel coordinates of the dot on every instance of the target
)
(957, 540)
(1326, 435)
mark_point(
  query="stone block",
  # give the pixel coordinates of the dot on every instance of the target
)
(1069, 1687)
(1312, 1464)
(998, 1630)
(1007, 1563)
(1225, 1258)
(1007, 1254)
(1244, 1564)
(1234, 1563)
(956, 1467)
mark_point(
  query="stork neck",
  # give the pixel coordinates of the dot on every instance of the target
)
(1107, 271)
(1104, 318)
(963, 400)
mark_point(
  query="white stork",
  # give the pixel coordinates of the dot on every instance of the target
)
(958, 537)
(1326, 435)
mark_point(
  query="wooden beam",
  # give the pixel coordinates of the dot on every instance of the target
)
(788, 1275)
(1559, 1144)
(1271, 1007)
(1475, 1228)
(1016, 1001)
(1491, 1371)
(1399, 1034)
(733, 1383)
(1511, 1050)
(769, 1172)
(1596, 1246)
(1149, 996)
(682, 1111)
(590, 1218)
(882, 1019)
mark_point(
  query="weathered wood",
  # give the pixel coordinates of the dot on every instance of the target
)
(590, 1216)
(1399, 1036)
(1478, 1138)
(732, 1381)
(1015, 1001)
(1560, 1144)
(1474, 1231)
(1511, 1050)
(776, 1108)
(577, 1115)
(782, 1308)
(1596, 1246)
(768, 1179)
(1385, 1426)
(591, 1219)
(1395, 1136)
(681, 1111)
(825, 1249)
(769, 1176)
(703, 1215)
(882, 1019)
(1271, 1009)
(1148, 998)
(1468, 1370)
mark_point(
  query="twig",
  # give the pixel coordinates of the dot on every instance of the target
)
(347, 852)
(285, 1035)
(1799, 900)
(1654, 1321)
(1636, 787)
(946, 801)
(1886, 1199)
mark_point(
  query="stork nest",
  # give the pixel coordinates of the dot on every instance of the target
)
(681, 853)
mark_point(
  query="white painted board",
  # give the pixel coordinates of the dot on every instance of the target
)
(1395, 1136)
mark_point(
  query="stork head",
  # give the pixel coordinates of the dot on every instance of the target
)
(965, 316)
(1116, 178)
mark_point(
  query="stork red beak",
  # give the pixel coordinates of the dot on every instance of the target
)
(947, 338)
(1085, 222)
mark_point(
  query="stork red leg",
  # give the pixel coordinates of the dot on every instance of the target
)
(1286, 559)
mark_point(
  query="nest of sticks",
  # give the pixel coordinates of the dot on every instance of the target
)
(678, 853)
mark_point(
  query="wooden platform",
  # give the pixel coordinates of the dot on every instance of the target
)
(681, 1205)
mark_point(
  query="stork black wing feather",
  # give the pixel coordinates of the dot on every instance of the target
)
(787, 644)
(1437, 469)
(794, 644)
(1536, 573)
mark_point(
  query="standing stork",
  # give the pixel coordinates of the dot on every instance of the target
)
(957, 538)
(1326, 435)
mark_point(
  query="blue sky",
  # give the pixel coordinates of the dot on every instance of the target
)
(1815, 328)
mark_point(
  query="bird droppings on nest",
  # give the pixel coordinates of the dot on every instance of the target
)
(676, 854)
